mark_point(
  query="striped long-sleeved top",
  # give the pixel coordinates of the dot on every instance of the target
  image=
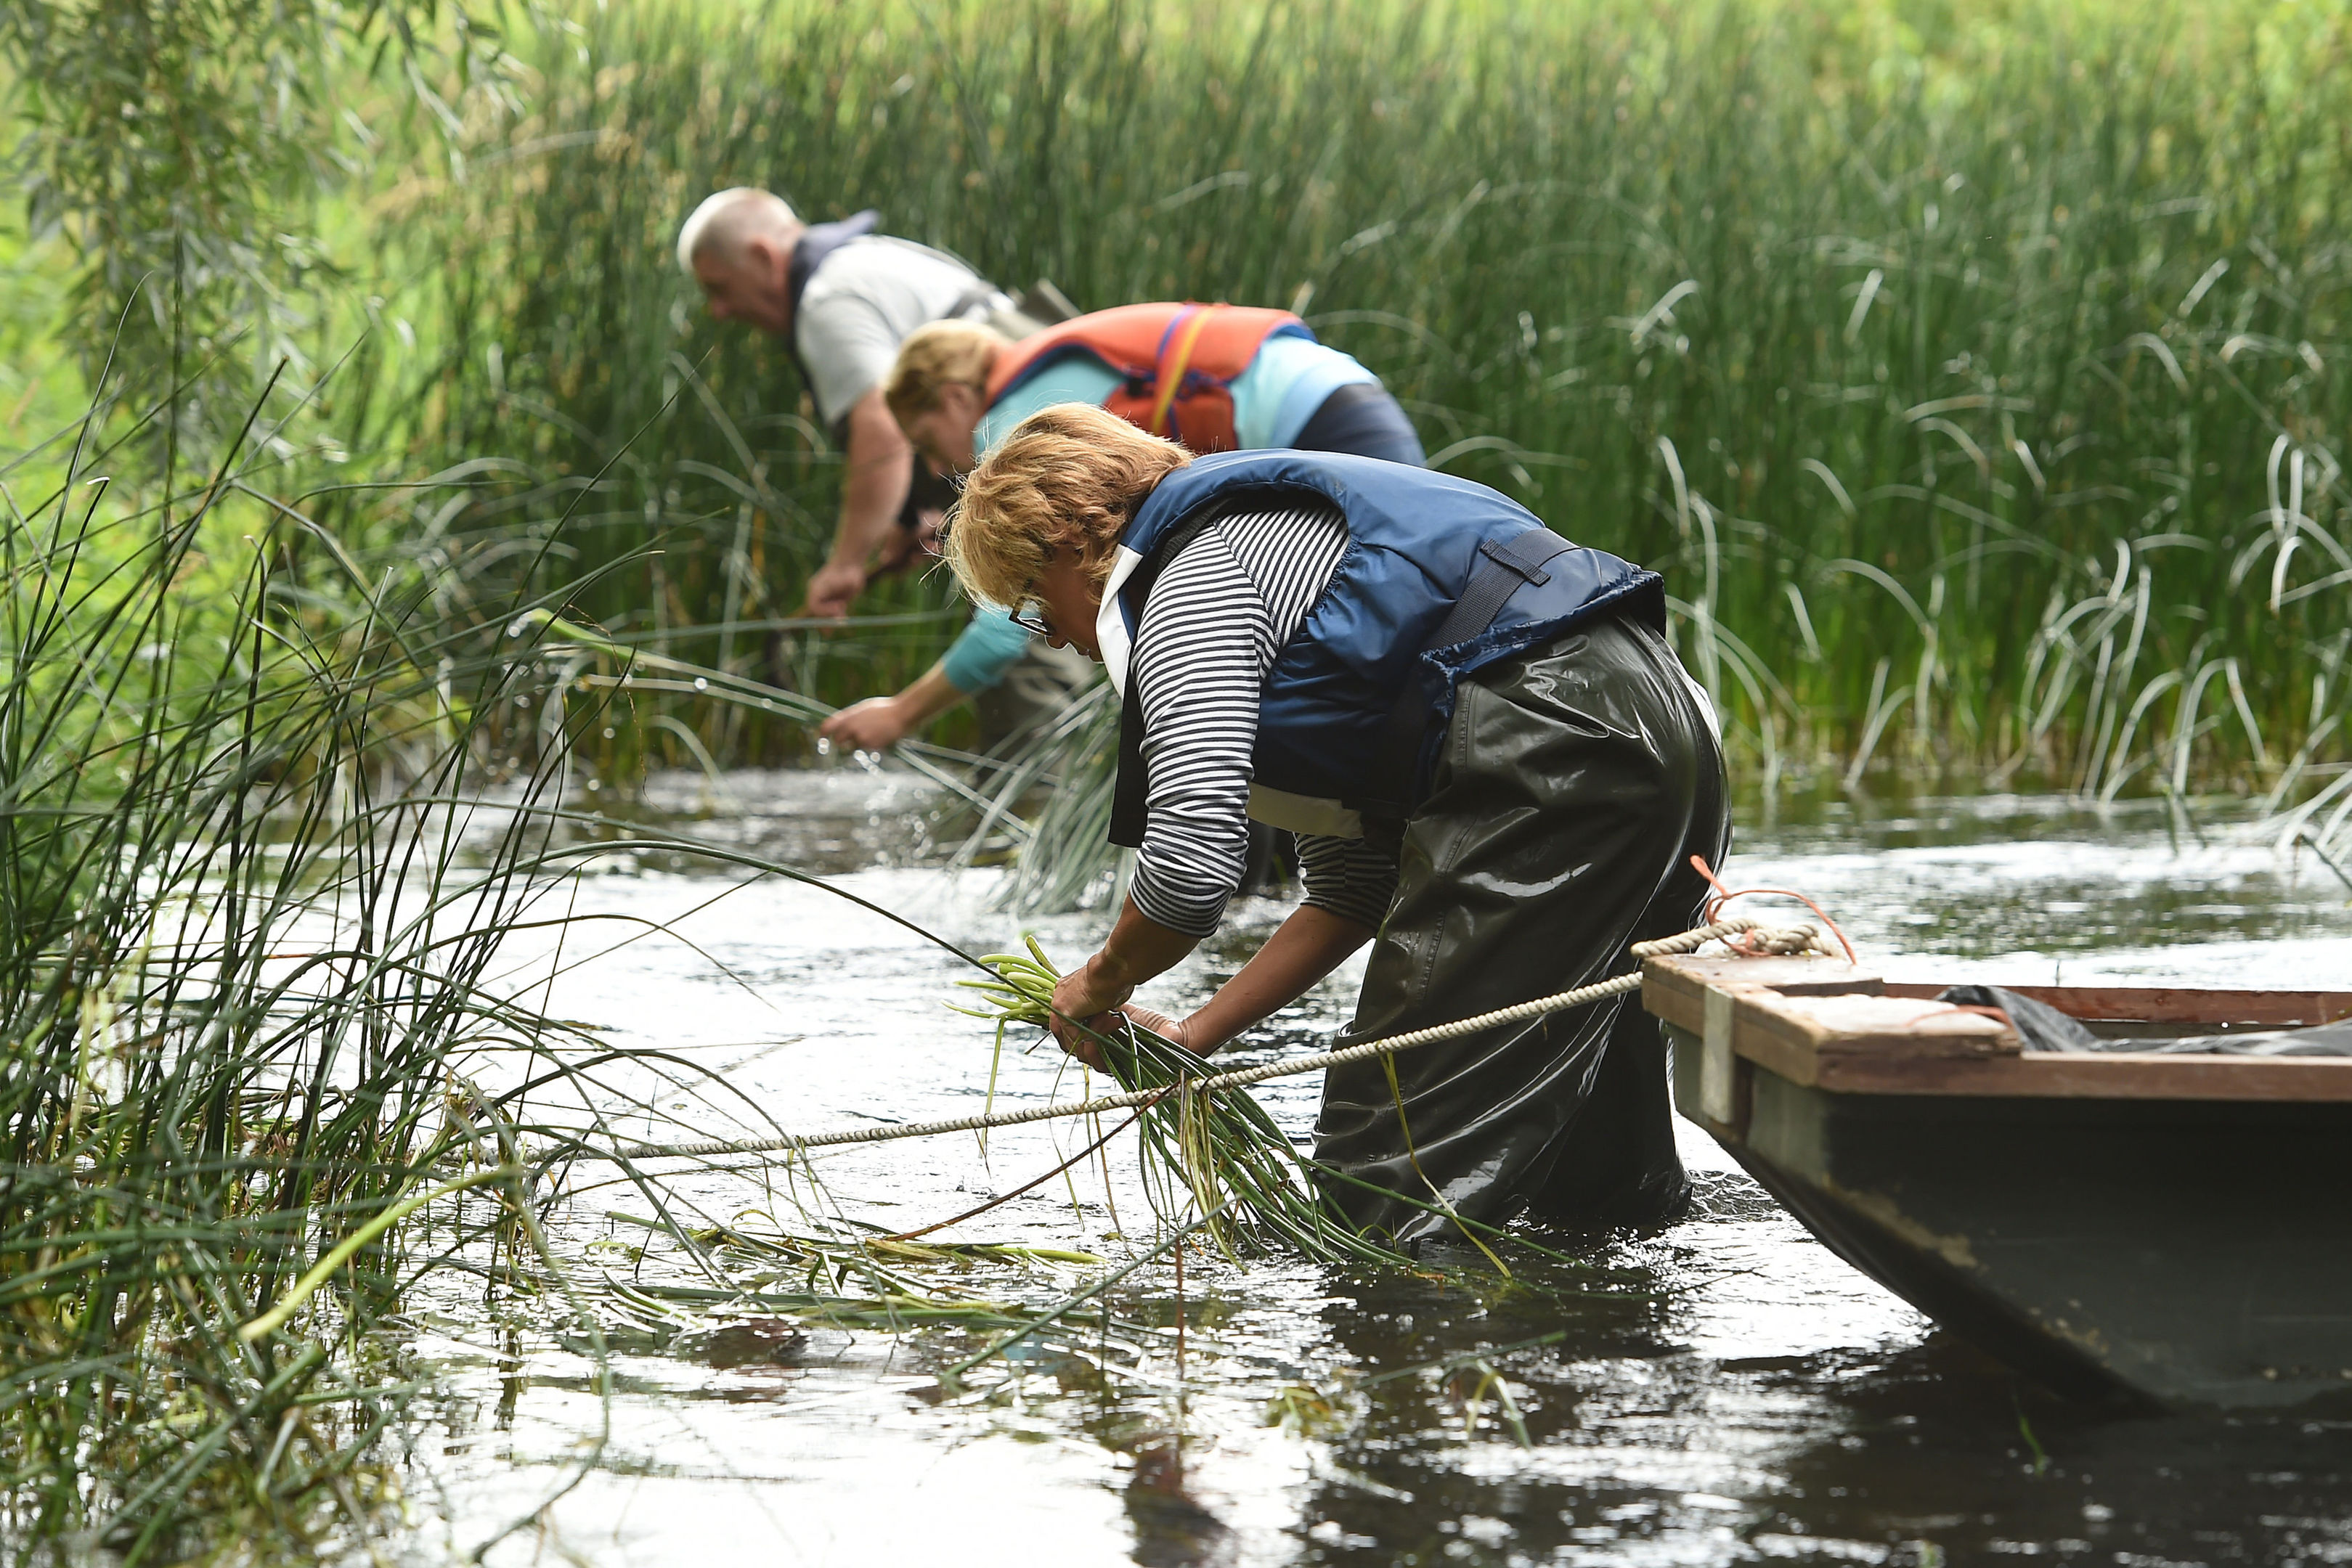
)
(1219, 613)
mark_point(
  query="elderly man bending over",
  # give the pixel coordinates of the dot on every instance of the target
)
(842, 297)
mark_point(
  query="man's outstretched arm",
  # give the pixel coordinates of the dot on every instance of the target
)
(874, 489)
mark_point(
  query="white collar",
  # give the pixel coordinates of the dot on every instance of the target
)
(1111, 637)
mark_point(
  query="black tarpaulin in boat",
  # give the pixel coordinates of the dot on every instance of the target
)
(2040, 1027)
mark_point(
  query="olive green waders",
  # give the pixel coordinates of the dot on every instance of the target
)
(1576, 782)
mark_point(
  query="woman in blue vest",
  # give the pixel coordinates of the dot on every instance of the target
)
(1493, 761)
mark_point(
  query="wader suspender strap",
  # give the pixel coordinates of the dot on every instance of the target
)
(1129, 792)
(1175, 358)
(1508, 567)
(972, 300)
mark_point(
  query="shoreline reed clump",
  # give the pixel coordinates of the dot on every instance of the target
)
(250, 894)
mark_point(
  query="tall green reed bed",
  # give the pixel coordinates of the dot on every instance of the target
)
(1975, 374)
(249, 900)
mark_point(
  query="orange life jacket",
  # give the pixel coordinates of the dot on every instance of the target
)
(1178, 362)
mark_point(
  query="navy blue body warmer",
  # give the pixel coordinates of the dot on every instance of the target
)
(1413, 545)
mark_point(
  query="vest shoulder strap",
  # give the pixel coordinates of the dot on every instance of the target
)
(818, 241)
(1505, 568)
(1212, 342)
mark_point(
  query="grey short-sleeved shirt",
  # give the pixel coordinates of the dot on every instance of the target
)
(865, 298)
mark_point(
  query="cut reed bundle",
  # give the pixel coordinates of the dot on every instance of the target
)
(1223, 1151)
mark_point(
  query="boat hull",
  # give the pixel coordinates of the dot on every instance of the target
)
(2153, 1243)
(2191, 1254)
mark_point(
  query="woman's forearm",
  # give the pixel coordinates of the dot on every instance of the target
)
(928, 696)
(1139, 948)
(879, 723)
(1307, 946)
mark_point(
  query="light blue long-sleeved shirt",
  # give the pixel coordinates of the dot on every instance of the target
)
(986, 649)
(1272, 400)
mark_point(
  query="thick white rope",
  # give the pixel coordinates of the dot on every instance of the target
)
(1764, 941)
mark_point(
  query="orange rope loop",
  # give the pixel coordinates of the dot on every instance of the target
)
(1713, 910)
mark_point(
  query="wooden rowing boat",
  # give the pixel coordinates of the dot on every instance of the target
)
(2165, 1227)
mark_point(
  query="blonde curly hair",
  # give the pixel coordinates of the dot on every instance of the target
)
(1068, 477)
(934, 355)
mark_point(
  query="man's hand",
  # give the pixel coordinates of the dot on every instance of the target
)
(916, 547)
(832, 589)
(876, 724)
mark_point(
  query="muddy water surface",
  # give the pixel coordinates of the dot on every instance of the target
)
(1721, 1391)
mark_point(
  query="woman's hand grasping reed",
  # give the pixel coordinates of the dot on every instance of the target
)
(1223, 1149)
(1022, 994)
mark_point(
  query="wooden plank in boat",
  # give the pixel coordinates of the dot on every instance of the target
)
(1808, 1038)
(1837, 1027)
(2107, 1075)
(1676, 989)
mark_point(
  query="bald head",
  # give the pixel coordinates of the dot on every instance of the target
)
(726, 221)
(738, 245)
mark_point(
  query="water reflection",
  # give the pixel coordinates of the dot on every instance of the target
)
(1722, 1390)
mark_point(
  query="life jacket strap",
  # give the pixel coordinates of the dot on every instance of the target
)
(1175, 358)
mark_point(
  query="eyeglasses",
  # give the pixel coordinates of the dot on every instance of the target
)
(1033, 621)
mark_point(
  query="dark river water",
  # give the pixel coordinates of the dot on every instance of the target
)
(1723, 1390)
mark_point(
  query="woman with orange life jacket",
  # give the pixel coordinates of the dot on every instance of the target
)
(1216, 378)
